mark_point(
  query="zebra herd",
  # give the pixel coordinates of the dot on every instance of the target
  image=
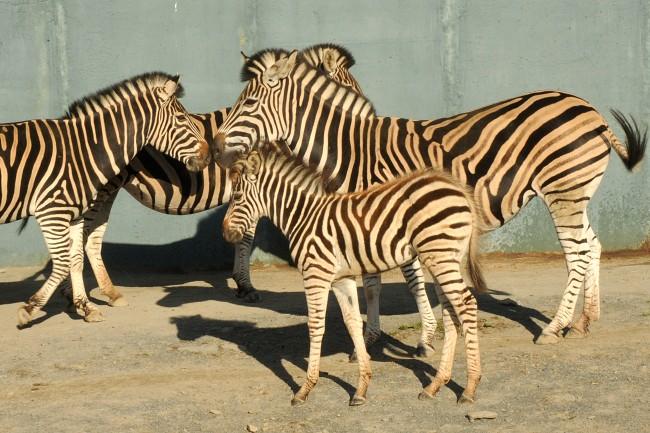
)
(355, 193)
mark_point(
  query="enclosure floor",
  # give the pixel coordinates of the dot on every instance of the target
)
(187, 356)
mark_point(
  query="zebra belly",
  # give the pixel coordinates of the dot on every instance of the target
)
(357, 261)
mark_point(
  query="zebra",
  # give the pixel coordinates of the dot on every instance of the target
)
(163, 184)
(53, 169)
(548, 144)
(334, 237)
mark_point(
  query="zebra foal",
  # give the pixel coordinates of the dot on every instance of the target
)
(54, 169)
(334, 237)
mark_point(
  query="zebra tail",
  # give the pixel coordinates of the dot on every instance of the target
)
(635, 141)
(23, 225)
(473, 266)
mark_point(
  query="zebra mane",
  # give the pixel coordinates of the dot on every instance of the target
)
(259, 62)
(102, 97)
(361, 100)
(306, 176)
(280, 158)
(314, 52)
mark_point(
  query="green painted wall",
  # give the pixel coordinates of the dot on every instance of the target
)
(421, 59)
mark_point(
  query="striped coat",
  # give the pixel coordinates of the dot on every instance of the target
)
(334, 237)
(546, 144)
(164, 185)
(55, 169)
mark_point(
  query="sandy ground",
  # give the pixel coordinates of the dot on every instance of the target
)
(187, 356)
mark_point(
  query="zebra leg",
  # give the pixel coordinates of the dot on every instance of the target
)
(415, 280)
(591, 308)
(461, 305)
(89, 311)
(443, 374)
(57, 238)
(571, 226)
(346, 295)
(241, 272)
(96, 219)
(371, 289)
(316, 292)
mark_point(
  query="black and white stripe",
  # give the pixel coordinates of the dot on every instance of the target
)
(334, 237)
(164, 185)
(54, 169)
(547, 144)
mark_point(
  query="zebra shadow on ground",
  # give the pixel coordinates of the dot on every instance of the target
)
(395, 300)
(272, 346)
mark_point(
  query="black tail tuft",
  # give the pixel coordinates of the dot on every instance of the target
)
(635, 140)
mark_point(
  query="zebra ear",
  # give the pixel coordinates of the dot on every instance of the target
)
(281, 68)
(254, 163)
(329, 60)
(168, 89)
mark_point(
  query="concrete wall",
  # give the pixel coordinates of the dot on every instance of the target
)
(420, 59)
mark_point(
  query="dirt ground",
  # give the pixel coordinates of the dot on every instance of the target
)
(187, 356)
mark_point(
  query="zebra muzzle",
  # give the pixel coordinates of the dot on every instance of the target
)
(226, 153)
(204, 157)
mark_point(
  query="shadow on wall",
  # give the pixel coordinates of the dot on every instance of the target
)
(206, 250)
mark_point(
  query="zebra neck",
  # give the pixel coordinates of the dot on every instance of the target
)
(109, 140)
(289, 207)
(353, 151)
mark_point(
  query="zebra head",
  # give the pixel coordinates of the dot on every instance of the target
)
(245, 207)
(174, 133)
(253, 118)
(277, 103)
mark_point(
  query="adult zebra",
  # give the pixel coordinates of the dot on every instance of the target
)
(53, 169)
(333, 237)
(547, 144)
(164, 185)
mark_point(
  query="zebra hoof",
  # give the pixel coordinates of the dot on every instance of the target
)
(118, 302)
(544, 339)
(298, 401)
(353, 357)
(94, 316)
(424, 395)
(424, 351)
(465, 399)
(248, 294)
(24, 316)
(357, 400)
(576, 333)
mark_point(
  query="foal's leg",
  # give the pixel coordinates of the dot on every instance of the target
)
(443, 374)
(316, 291)
(371, 289)
(415, 280)
(346, 295)
(459, 302)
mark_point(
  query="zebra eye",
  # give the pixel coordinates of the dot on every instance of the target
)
(250, 101)
(237, 195)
